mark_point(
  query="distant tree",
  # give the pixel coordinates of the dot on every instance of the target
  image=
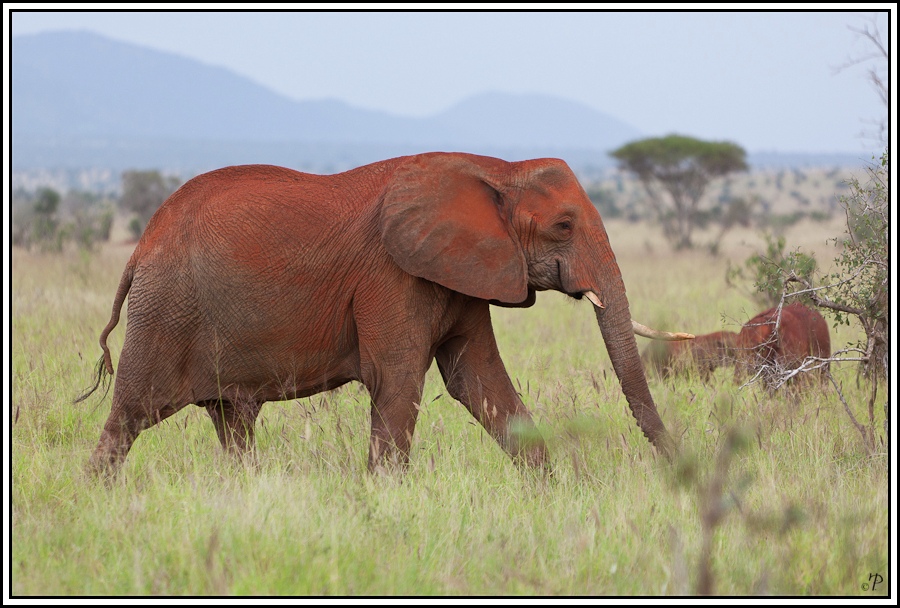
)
(24, 218)
(47, 202)
(45, 227)
(21, 219)
(90, 218)
(604, 201)
(734, 211)
(681, 167)
(49, 221)
(768, 271)
(142, 194)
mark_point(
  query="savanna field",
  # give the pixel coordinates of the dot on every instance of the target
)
(802, 507)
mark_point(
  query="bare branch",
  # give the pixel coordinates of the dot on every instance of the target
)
(870, 447)
(878, 53)
(819, 300)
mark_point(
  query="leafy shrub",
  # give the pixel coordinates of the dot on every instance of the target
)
(47, 221)
(768, 271)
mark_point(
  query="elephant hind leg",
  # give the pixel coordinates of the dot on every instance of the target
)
(234, 421)
(122, 427)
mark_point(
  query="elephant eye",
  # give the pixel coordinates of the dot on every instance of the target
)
(564, 226)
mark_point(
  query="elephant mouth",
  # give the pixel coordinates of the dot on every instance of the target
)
(586, 293)
(590, 295)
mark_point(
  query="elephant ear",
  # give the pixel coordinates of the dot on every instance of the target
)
(443, 220)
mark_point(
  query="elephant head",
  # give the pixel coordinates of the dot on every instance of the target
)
(502, 231)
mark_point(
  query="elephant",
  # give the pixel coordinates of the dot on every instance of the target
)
(259, 283)
(707, 352)
(771, 345)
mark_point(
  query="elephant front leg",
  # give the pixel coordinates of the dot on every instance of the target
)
(395, 407)
(234, 421)
(475, 376)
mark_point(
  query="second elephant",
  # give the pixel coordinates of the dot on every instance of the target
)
(704, 353)
(779, 340)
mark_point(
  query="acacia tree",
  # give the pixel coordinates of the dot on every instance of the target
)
(680, 167)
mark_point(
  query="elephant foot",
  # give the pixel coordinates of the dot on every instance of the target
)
(387, 458)
(104, 465)
(525, 444)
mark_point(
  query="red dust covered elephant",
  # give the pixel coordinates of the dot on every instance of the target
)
(258, 283)
(774, 344)
(705, 352)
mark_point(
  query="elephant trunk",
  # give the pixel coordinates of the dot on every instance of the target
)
(617, 329)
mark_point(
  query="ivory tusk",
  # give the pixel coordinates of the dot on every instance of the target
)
(643, 330)
(595, 300)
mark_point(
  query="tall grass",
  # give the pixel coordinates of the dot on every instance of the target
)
(803, 510)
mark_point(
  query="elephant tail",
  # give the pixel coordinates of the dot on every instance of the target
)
(104, 367)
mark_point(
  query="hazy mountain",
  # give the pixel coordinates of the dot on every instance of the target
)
(77, 84)
(530, 120)
(69, 88)
(80, 100)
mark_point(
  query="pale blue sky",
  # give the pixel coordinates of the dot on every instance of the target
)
(765, 80)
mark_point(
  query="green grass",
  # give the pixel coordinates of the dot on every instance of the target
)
(807, 509)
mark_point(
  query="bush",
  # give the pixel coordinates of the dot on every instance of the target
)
(768, 271)
(91, 218)
(47, 221)
(858, 288)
